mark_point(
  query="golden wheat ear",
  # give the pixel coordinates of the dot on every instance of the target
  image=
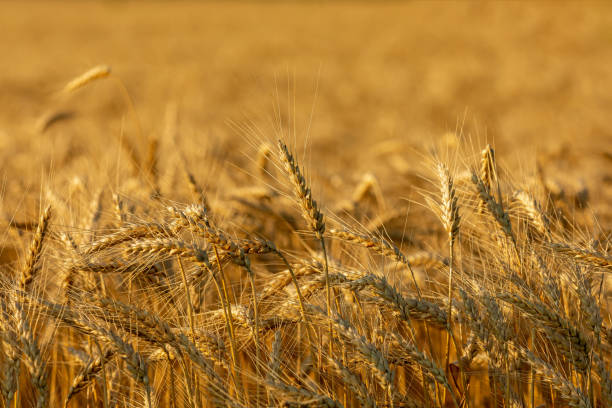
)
(97, 72)
(310, 208)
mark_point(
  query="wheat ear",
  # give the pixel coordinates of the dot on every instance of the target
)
(604, 378)
(12, 361)
(571, 341)
(380, 246)
(97, 72)
(295, 396)
(87, 374)
(406, 308)
(496, 209)
(29, 270)
(534, 211)
(371, 355)
(448, 212)
(125, 234)
(595, 259)
(417, 356)
(354, 383)
(574, 396)
(487, 173)
(310, 209)
(33, 358)
(136, 364)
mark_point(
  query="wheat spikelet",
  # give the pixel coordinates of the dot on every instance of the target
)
(257, 246)
(282, 279)
(473, 317)
(136, 364)
(495, 318)
(10, 368)
(97, 72)
(469, 354)
(33, 358)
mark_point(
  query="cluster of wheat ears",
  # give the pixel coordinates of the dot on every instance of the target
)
(180, 305)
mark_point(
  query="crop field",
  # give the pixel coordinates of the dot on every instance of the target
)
(305, 204)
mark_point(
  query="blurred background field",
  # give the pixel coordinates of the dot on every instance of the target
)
(381, 80)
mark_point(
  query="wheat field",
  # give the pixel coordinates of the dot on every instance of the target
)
(305, 204)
